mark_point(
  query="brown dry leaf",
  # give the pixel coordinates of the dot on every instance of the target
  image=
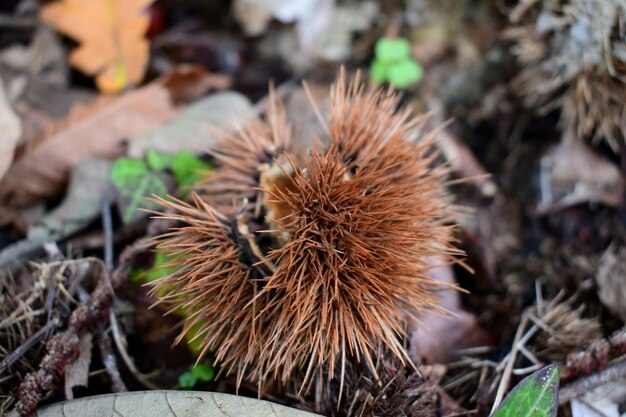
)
(573, 174)
(11, 129)
(94, 130)
(77, 372)
(111, 33)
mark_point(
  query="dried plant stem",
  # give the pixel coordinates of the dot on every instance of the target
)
(120, 343)
(586, 384)
(508, 370)
(109, 361)
(595, 357)
(29, 343)
(63, 347)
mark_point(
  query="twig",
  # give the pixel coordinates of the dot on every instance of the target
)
(120, 343)
(508, 370)
(107, 225)
(62, 348)
(119, 277)
(109, 361)
(25, 347)
(586, 384)
(7, 21)
(595, 357)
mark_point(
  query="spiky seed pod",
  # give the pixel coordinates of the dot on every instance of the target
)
(242, 156)
(212, 285)
(572, 53)
(393, 391)
(326, 262)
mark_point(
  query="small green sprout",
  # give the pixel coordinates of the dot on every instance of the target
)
(201, 372)
(393, 63)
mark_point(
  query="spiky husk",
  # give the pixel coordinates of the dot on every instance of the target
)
(240, 157)
(337, 274)
(392, 391)
(573, 58)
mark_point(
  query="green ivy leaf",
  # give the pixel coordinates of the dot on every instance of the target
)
(535, 396)
(135, 181)
(390, 50)
(187, 380)
(203, 372)
(187, 168)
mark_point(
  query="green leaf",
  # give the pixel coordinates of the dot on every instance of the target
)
(125, 170)
(404, 73)
(378, 72)
(390, 50)
(135, 181)
(157, 160)
(203, 372)
(535, 396)
(187, 168)
(187, 380)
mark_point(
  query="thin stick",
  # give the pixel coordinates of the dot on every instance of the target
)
(25, 347)
(107, 225)
(119, 340)
(586, 384)
(508, 370)
(109, 361)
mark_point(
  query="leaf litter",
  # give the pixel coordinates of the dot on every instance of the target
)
(532, 93)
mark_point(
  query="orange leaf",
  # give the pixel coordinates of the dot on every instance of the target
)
(111, 33)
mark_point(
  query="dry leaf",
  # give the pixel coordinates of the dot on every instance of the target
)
(11, 129)
(168, 403)
(604, 401)
(94, 130)
(111, 33)
(436, 338)
(189, 82)
(194, 128)
(571, 174)
(611, 283)
(89, 186)
(77, 372)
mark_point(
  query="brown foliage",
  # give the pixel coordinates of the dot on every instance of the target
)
(336, 271)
